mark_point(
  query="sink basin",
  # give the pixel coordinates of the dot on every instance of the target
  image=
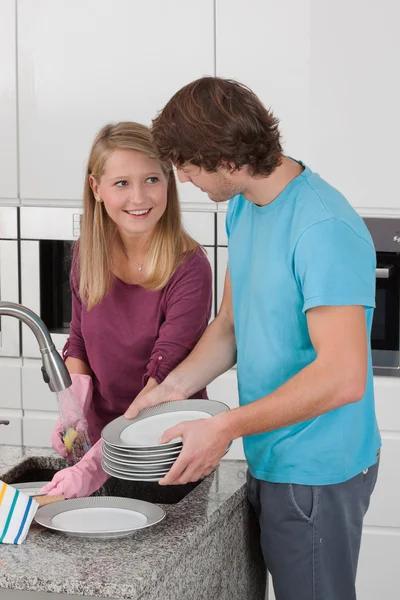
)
(38, 469)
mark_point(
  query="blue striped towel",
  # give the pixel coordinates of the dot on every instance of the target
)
(16, 513)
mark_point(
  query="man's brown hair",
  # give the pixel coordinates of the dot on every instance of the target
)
(214, 121)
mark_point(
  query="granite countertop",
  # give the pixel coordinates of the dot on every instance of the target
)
(48, 561)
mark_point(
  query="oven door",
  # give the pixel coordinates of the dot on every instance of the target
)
(385, 334)
(48, 236)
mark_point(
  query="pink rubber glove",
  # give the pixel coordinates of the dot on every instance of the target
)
(82, 389)
(80, 480)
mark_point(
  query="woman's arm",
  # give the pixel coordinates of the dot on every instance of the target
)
(188, 308)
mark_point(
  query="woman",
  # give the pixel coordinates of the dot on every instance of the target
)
(141, 291)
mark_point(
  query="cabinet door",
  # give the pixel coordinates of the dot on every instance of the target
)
(266, 45)
(85, 63)
(10, 384)
(11, 434)
(224, 389)
(222, 263)
(355, 123)
(8, 101)
(379, 565)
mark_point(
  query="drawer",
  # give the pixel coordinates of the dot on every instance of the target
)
(385, 501)
(37, 428)
(387, 402)
(36, 394)
(11, 434)
(201, 226)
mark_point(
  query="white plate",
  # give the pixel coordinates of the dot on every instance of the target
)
(145, 430)
(31, 488)
(145, 474)
(161, 470)
(128, 477)
(136, 463)
(99, 517)
(141, 456)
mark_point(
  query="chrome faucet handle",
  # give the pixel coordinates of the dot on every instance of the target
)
(3, 422)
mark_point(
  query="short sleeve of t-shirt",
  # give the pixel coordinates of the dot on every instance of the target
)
(335, 266)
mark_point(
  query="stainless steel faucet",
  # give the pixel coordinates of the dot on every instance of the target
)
(54, 372)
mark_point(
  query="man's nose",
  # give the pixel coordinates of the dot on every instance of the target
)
(182, 177)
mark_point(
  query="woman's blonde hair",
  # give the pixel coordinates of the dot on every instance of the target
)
(168, 243)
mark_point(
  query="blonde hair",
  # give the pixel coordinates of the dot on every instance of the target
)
(169, 241)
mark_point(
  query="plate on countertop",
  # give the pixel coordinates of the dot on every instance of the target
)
(31, 488)
(99, 517)
(145, 430)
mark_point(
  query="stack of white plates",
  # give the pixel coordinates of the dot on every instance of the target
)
(131, 450)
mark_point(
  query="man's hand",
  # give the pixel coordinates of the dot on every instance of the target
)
(161, 393)
(204, 443)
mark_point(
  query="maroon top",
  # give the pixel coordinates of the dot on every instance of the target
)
(134, 333)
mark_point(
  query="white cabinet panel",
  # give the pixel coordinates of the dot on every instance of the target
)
(384, 508)
(36, 394)
(266, 45)
(222, 239)
(355, 50)
(224, 389)
(387, 403)
(37, 428)
(11, 434)
(84, 63)
(9, 326)
(222, 263)
(200, 225)
(379, 565)
(8, 101)
(211, 259)
(10, 387)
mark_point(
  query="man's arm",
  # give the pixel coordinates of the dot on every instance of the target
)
(335, 378)
(214, 354)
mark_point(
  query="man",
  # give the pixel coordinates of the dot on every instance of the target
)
(296, 316)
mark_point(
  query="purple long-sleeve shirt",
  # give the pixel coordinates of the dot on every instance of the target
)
(134, 333)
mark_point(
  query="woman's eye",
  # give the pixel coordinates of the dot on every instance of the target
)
(152, 179)
(122, 183)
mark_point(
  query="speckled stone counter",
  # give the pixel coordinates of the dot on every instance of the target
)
(206, 547)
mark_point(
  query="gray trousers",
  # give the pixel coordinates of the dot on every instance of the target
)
(310, 535)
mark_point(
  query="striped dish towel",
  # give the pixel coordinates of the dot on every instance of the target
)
(16, 513)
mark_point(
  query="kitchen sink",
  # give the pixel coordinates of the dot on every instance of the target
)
(38, 469)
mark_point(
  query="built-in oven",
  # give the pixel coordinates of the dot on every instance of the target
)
(385, 335)
(9, 286)
(47, 239)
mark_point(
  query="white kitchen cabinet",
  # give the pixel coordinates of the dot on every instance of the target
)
(385, 501)
(200, 225)
(84, 63)
(379, 565)
(36, 394)
(37, 428)
(355, 124)
(224, 389)
(327, 69)
(10, 384)
(266, 45)
(222, 238)
(11, 434)
(8, 101)
(222, 263)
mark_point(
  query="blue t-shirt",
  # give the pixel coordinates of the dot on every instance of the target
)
(307, 248)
